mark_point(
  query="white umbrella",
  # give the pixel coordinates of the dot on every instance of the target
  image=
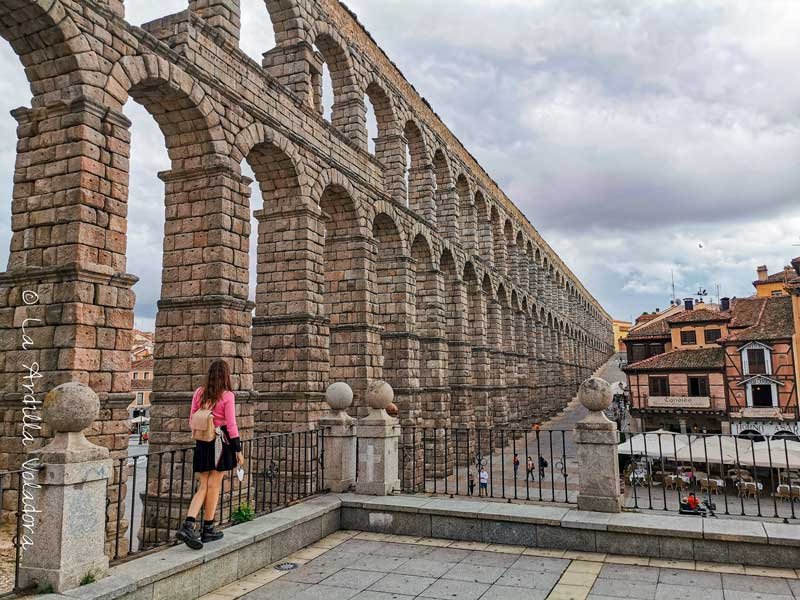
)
(777, 454)
(716, 449)
(656, 444)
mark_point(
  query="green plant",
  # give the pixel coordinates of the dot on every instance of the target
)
(88, 578)
(243, 514)
(44, 588)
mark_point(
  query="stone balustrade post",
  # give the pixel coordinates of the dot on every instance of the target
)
(379, 441)
(69, 495)
(339, 430)
(596, 440)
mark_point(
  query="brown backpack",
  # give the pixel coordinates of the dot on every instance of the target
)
(202, 424)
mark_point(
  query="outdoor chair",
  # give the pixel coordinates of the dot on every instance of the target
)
(783, 493)
(752, 489)
(795, 493)
(704, 485)
(713, 486)
(669, 482)
(680, 484)
(741, 486)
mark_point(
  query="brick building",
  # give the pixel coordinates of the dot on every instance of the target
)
(775, 284)
(142, 387)
(723, 369)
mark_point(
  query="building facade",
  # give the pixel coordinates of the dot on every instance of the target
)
(142, 387)
(621, 329)
(725, 369)
(774, 284)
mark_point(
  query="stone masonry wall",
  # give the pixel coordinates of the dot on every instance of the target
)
(423, 274)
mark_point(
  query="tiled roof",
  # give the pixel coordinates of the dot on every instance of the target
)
(787, 276)
(146, 364)
(757, 319)
(701, 315)
(659, 329)
(141, 384)
(709, 359)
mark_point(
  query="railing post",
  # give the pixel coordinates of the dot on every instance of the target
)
(339, 453)
(596, 441)
(378, 440)
(68, 497)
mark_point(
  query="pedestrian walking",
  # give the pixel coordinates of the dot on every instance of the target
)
(542, 466)
(217, 450)
(471, 484)
(516, 465)
(483, 476)
(529, 468)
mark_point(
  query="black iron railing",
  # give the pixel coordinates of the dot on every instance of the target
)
(11, 492)
(741, 476)
(481, 463)
(144, 512)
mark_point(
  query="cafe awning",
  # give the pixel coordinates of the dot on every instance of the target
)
(716, 449)
(655, 444)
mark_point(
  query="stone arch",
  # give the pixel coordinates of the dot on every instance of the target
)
(389, 146)
(498, 237)
(484, 228)
(49, 44)
(523, 261)
(466, 213)
(332, 177)
(175, 103)
(348, 113)
(419, 183)
(446, 199)
(511, 249)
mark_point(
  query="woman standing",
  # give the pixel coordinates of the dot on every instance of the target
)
(210, 464)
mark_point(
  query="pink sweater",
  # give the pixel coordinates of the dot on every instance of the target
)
(224, 411)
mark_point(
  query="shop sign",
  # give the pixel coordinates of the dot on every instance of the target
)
(679, 402)
(765, 427)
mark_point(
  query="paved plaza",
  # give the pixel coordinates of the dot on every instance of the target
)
(366, 566)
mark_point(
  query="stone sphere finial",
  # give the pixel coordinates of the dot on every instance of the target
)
(379, 395)
(595, 394)
(339, 396)
(70, 407)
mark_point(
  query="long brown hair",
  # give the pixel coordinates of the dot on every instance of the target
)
(218, 381)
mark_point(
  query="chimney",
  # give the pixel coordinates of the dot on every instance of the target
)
(762, 273)
(724, 304)
(688, 303)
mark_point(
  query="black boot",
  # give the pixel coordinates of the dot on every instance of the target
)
(209, 533)
(188, 535)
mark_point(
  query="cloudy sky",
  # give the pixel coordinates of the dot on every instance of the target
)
(642, 139)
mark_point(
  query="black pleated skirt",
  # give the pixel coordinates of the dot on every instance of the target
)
(204, 456)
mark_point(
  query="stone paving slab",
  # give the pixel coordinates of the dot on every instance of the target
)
(338, 568)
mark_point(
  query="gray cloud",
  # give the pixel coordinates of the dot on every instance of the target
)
(627, 131)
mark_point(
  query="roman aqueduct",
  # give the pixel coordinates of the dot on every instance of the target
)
(423, 274)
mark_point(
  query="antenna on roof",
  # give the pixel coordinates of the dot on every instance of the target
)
(672, 274)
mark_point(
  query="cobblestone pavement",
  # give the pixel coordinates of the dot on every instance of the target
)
(554, 442)
(364, 566)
